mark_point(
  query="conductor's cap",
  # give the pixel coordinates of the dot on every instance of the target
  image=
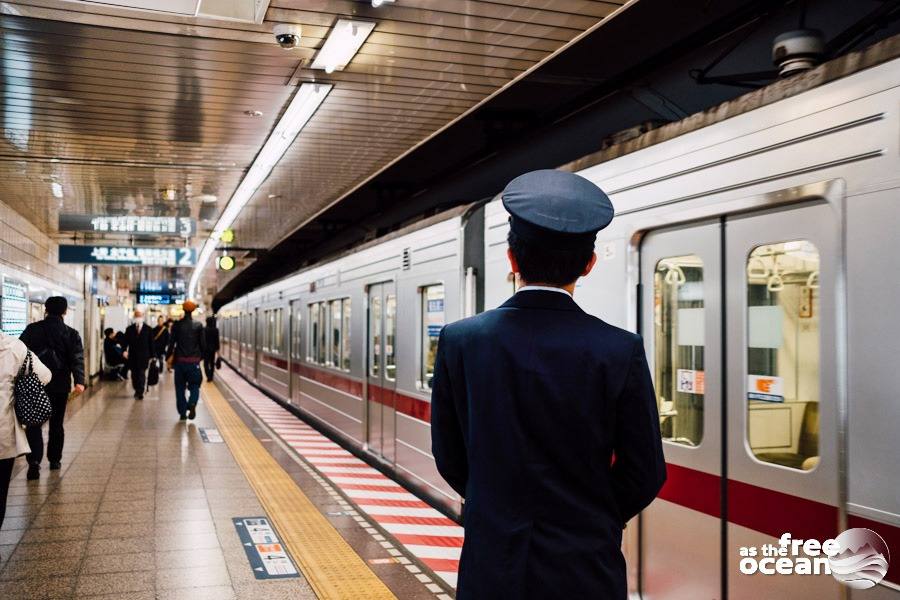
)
(558, 208)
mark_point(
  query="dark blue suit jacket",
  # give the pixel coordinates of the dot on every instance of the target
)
(544, 419)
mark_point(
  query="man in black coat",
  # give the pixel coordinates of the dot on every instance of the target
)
(544, 417)
(59, 347)
(138, 346)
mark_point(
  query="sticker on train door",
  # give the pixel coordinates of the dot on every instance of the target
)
(691, 382)
(765, 388)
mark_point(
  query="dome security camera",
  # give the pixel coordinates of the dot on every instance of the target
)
(287, 35)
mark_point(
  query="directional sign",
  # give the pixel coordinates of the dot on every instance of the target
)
(160, 299)
(173, 286)
(268, 557)
(130, 224)
(128, 255)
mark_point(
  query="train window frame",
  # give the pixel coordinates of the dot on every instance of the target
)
(423, 344)
(323, 348)
(296, 339)
(674, 292)
(776, 283)
(390, 336)
(373, 334)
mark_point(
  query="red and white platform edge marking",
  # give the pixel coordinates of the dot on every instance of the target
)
(425, 533)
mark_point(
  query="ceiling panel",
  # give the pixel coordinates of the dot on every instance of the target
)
(119, 105)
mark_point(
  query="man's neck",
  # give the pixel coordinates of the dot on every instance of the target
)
(568, 288)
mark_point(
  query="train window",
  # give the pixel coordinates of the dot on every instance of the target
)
(432, 298)
(313, 335)
(336, 321)
(345, 337)
(295, 333)
(390, 333)
(783, 354)
(322, 358)
(276, 343)
(374, 335)
(678, 344)
(266, 328)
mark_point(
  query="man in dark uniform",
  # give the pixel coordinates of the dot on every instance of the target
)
(138, 352)
(544, 417)
(59, 347)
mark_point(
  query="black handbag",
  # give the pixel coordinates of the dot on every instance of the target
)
(218, 362)
(153, 373)
(32, 404)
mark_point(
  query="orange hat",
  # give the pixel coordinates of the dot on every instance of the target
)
(189, 306)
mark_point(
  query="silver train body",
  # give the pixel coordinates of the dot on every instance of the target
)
(756, 255)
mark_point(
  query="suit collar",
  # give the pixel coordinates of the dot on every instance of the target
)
(541, 299)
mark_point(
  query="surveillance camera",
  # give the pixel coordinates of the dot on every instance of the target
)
(287, 36)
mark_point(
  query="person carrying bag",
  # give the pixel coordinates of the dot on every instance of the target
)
(20, 370)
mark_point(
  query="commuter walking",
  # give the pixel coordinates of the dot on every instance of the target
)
(544, 417)
(13, 441)
(138, 351)
(212, 347)
(160, 339)
(186, 350)
(59, 348)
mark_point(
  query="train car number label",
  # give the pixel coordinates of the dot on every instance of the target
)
(268, 557)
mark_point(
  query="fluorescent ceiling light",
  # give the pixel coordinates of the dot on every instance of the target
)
(303, 105)
(57, 190)
(377, 3)
(342, 44)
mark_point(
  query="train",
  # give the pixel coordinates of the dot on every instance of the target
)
(755, 250)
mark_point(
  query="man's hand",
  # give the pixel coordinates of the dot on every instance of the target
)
(79, 389)
(125, 354)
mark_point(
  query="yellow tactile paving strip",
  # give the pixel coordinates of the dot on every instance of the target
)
(332, 568)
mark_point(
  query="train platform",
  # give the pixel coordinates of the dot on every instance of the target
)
(246, 501)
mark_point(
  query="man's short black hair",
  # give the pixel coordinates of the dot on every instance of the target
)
(541, 264)
(56, 305)
(107, 331)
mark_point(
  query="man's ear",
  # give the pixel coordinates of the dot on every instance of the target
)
(590, 264)
(513, 265)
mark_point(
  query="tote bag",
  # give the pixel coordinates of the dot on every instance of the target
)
(32, 404)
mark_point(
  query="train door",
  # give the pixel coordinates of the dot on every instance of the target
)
(783, 382)
(381, 377)
(681, 314)
(742, 473)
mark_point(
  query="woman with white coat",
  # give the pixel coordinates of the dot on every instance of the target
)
(13, 442)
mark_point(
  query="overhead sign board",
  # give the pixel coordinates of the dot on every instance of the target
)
(162, 287)
(164, 299)
(128, 255)
(129, 224)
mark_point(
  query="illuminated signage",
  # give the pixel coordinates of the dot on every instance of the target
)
(128, 255)
(13, 306)
(163, 287)
(160, 299)
(130, 224)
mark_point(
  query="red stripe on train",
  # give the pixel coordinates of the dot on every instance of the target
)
(768, 511)
(891, 537)
(416, 408)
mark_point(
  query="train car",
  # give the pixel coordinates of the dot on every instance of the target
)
(746, 246)
(351, 342)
